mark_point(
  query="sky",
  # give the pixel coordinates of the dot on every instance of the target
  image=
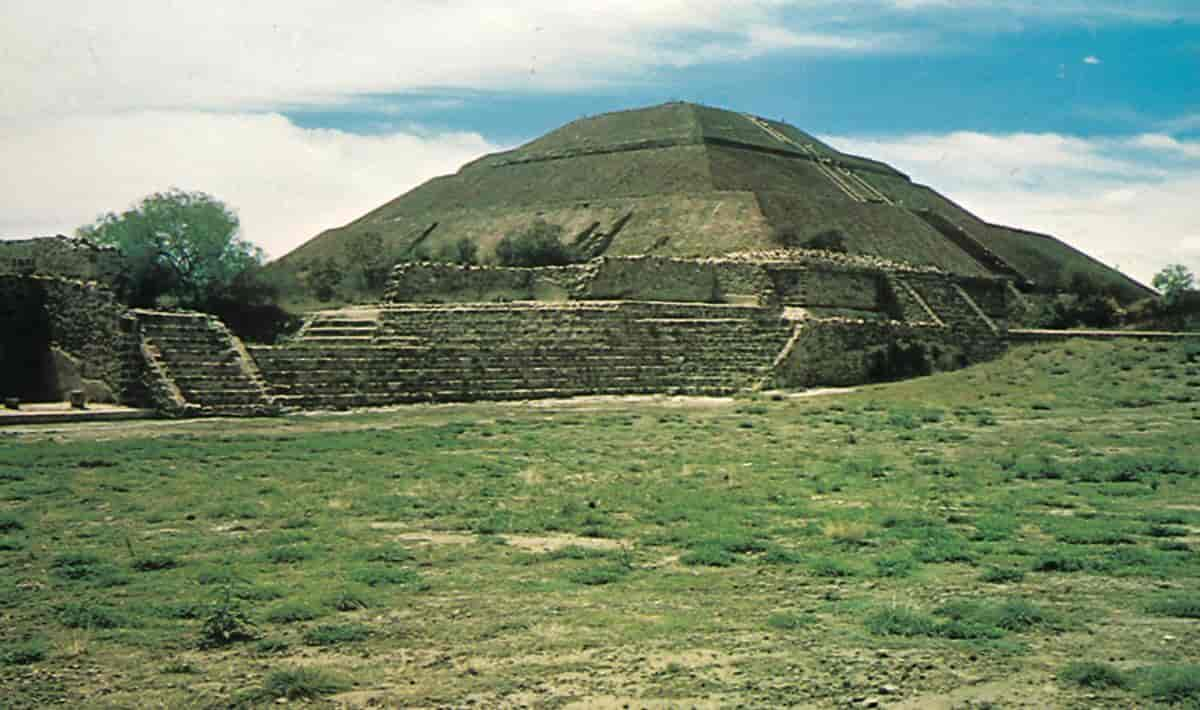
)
(1080, 118)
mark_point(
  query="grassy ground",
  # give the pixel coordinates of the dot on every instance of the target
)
(1023, 533)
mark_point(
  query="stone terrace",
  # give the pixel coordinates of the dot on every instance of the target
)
(527, 350)
(200, 367)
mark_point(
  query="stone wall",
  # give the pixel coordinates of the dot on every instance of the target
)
(433, 282)
(651, 278)
(840, 352)
(61, 256)
(60, 334)
(525, 351)
(824, 287)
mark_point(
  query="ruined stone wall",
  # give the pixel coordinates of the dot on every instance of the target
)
(824, 287)
(61, 256)
(741, 282)
(652, 278)
(433, 282)
(68, 335)
(840, 352)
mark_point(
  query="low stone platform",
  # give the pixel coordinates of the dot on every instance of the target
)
(62, 412)
(1033, 335)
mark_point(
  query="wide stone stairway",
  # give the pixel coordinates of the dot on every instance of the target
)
(413, 353)
(201, 366)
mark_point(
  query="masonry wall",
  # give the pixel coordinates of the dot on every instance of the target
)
(60, 256)
(432, 282)
(651, 278)
(61, 334)
(848, 352)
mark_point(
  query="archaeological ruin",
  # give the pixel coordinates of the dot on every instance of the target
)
(711, 252)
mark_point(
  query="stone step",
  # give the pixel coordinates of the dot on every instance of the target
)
(210, 398)
(419, 375)
(326, 332)
(358, 400)
(374, 368)
(470, 383)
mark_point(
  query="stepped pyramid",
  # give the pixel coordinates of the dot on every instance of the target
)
(685, 180)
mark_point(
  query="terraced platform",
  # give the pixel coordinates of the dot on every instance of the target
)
(200, 366)
(415, 353)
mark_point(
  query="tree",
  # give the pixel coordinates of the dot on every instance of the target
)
(1173, 281)
(540, 244)
(368, 253)
(185, 245)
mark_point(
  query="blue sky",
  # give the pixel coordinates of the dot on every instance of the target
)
(1077, 118)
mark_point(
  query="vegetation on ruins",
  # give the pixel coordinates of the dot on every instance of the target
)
(183, 246)
(1022, 532)
(538, 244)
(1174, 281)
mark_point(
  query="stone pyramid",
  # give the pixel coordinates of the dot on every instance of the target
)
(685, 180)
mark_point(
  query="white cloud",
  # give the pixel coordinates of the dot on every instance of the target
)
(286, 183)
(1092, 59)
(65, 58)
(1128, 202)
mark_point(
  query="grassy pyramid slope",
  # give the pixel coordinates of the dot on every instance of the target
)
(692, 181)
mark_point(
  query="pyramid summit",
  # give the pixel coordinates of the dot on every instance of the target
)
(686, 180)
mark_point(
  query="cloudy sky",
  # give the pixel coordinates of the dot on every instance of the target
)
(1076, 117)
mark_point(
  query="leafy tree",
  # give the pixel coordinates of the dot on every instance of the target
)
(1173, 281)
(462, 251)
(185, 245)
(539, 244)
(324, 276)
(371, 262)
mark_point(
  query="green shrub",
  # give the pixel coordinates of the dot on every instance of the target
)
(947, 548)
(380, 575)
(301, 684)
(777, 555)
(598, 575)
(461, 251)
(786, 621)
(289, 554)
(350, 598)
(179, 668)
(85, 566)
(1171, 684)
(292, 611)
(22, 653)
(895, 566)
(1183, 607)
(1021, 615)
(540, 244)
(1002, 575)
(392, 553)
(708, 556)
(226, 623)
(335, 634)
(1061, 562)
(88, 615)
(268, 647)
(154, 563)
(10, 523)
(1167, 531)
(1090, 674)
(900, 621)
(830, 567)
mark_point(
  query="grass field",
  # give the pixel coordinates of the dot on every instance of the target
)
(1023, 533)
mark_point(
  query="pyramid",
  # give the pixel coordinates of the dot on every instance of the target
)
(686, 180)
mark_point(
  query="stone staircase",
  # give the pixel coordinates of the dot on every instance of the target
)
(951, 305)
(198, 368)
(419, 353)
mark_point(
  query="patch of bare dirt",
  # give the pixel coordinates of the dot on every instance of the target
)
(532, 543)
